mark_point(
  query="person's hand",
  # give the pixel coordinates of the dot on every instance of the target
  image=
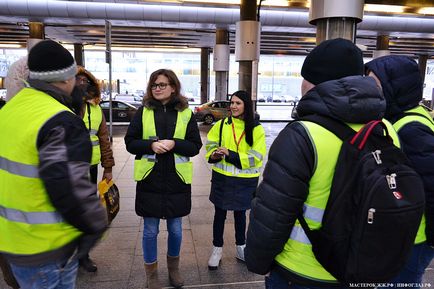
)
(108, 176)
(216, 155)
(170, 144)
(223, 151)
(159, 147)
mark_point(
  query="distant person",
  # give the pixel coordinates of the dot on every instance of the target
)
(95, 122)
(164, 136)
(236, 147)
(47, 200)
(16, 78)
(300, 167)
(402, 85)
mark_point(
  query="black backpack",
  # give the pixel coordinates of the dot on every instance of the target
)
(374, 209)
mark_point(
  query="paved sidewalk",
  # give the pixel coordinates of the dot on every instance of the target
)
(119, 255)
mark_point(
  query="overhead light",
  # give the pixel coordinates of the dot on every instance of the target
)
(383, 8)
(233, 2)
(11, 45)
(426, 10)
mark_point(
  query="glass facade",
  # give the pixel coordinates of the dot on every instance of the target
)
(279, 78)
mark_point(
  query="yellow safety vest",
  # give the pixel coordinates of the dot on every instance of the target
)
(29, 223)
(183, 165)
(297, 256)
(421, 236)
(251, 157)
(95, 122)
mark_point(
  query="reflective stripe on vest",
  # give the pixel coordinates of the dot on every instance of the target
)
(420, 236)
(26, 211)
(19, 169)
(183, 165)
(95, 122)
(30, 217)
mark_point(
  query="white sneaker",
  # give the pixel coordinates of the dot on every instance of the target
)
(214, 259)
(240, 252)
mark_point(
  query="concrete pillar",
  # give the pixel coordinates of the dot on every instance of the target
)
(247, 44)
(79, 54)
(335, 18)
(221, 64)
(204, 74)
(382, 48)
(422, 65)
(36, 34)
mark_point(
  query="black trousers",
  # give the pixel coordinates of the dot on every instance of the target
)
(93, 171)
(219, 227)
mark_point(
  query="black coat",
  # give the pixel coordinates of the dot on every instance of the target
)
(291, 163)
(162, 194)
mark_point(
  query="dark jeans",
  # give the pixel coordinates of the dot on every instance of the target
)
(219, 227)
(412, 273)
(93, 171)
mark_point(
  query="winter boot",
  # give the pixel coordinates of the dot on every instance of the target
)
(152, 276)
(240, 252)
(214, 259)
(174, 276)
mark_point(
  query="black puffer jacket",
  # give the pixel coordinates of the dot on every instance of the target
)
(162, 194)
(402, 87)
(285, 184)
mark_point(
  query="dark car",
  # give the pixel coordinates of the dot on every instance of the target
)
(132, 99)
(122, 111)
(212, 111)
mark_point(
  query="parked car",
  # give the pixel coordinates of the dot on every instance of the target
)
(212, 111)
(132, 99)
(122, 111)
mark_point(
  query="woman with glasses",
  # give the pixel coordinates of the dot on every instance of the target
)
(236, 147)
(163, 136)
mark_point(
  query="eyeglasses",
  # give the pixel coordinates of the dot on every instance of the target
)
(81, 79)
(161, 86)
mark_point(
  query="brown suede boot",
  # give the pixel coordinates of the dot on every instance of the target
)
(174, 276)
(152, 275)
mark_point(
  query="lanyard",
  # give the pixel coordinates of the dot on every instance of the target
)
(235, 136)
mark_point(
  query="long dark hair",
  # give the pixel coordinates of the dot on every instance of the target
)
(173, 81)
(249, 120)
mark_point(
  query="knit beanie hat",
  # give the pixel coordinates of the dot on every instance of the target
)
(332, 59)
(49, 61)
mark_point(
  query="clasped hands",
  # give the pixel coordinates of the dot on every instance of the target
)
(162, 146)
(219, 153)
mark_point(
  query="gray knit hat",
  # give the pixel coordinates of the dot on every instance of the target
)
(49, 61)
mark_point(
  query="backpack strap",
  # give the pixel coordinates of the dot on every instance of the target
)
(220, 133)
(338, 128)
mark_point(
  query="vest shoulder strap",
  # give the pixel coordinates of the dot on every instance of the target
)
(340, 129)
(412, 113)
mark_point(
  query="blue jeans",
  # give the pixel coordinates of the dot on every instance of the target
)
(51, 275)
(150, 233)
(275, 281)
(420, 258)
